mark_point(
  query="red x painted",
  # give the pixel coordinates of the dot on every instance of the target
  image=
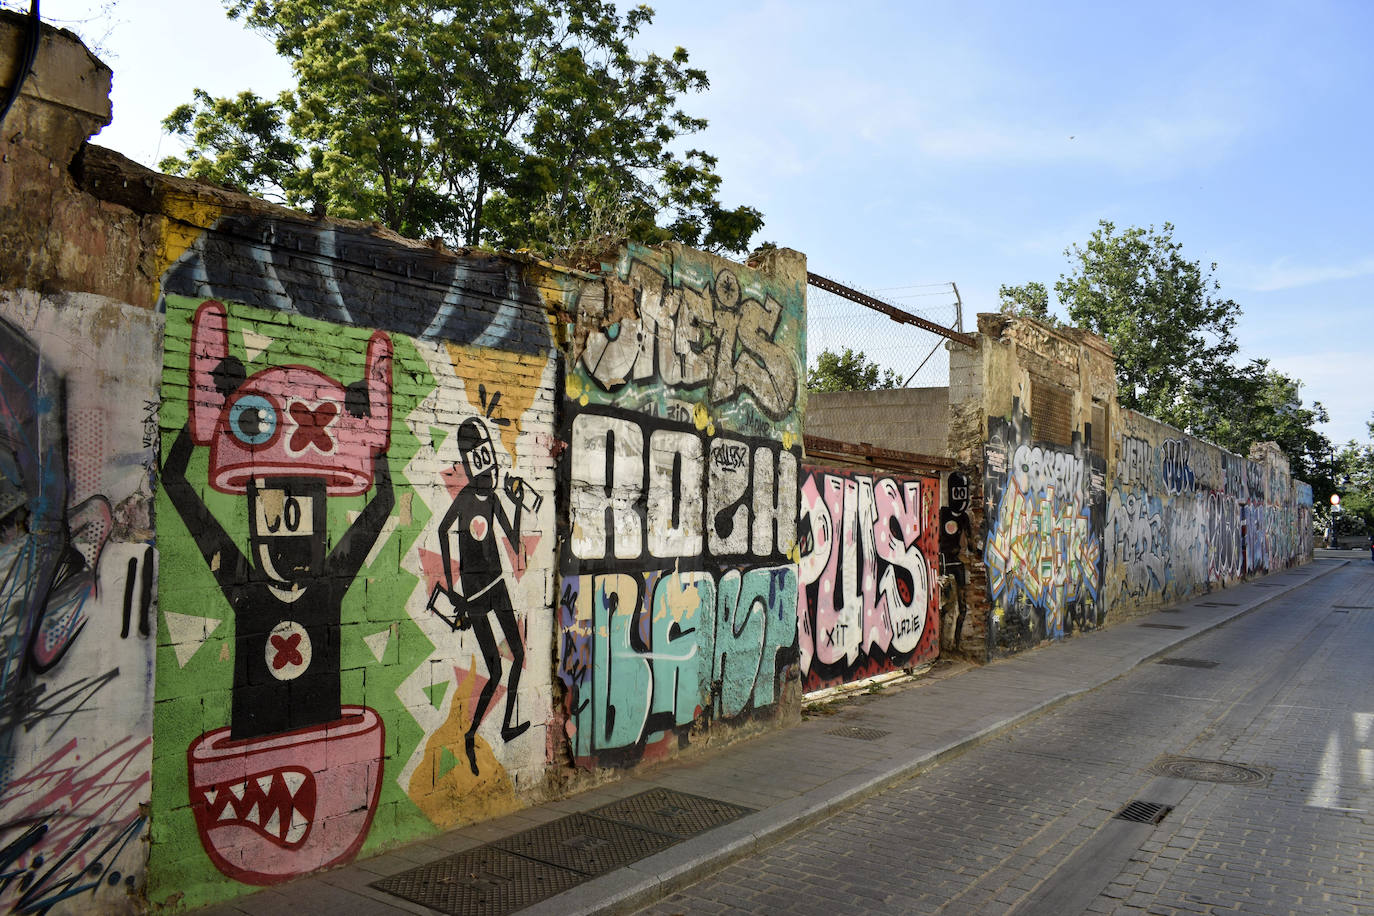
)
(288, 651)
(311, 426)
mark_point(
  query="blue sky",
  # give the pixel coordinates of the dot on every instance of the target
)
(901, 143)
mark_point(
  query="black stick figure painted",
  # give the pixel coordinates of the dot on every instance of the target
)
(955, 534)
(477, 519)
(287, 438)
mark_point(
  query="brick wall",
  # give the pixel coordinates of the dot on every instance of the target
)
(313, 512)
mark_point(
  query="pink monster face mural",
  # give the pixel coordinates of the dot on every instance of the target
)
(291, 784)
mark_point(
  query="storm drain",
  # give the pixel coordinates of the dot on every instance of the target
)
(1200, 770)
(523, 869)
(855, 731)
(1189, 662)
(1355, 607)
(585, 844)
(1143, 812)
(1219, 604)
(1165, 626)
(676, 814)
(480, 882)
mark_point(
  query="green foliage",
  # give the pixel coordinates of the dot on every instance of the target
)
(1259, 404)
(496, 122)
(849, 371)
(1031, 300)
(1353, 473)
(1162, 314)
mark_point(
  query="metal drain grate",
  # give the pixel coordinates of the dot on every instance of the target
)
(1143, 812)
(1189, 662)
(1169, 610)
(1200, 770)
(1218, 604)
(1355, 607)
(589, 845)
(670, 812)
(1165, 626)
(855, 731)
(480, 882)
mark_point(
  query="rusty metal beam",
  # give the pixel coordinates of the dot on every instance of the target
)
(890, 311)
(866, 453)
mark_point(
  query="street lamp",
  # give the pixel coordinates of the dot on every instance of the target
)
(1335, 508)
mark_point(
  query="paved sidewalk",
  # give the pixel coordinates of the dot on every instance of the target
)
(798, 776)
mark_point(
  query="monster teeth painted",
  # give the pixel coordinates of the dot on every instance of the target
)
(237, 789)
(265, 783)
(253, 816)
(210, 796)
(294, 781)
(273, 825)
(298, 827)
(227, 814)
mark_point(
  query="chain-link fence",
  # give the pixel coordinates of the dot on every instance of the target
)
(916, 356)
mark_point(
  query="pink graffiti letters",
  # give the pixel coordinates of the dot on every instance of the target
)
(865, 575)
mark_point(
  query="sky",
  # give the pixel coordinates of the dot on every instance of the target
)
(903, 145)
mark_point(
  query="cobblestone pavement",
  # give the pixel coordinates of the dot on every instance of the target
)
(1025, 821)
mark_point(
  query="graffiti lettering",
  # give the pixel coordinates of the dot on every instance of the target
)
(1135, 462)
(687, 337)
(866, 577)
(1044, 544)
(1174, 468)
(633, 499)
(644, 654)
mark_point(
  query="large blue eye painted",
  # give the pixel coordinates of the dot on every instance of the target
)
(253, 419)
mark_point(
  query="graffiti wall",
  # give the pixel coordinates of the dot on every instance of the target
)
(682, 418)
(78, 440)
(1043, 550)
(354, 639)
(1185, 517)
(868, 597)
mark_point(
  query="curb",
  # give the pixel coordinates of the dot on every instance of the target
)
(649, 880)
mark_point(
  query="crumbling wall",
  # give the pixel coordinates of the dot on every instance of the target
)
(1088, 513)
(682, 413)
(1185, 517)
(370, 603)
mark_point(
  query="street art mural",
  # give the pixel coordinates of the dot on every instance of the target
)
(678, 602)
(269, 790)
(77, 566)
(1045, 515)
(361, 558)
(1184, 517)
(868, 600)
(956, 536)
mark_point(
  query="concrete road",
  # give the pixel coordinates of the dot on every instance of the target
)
(1025, 822)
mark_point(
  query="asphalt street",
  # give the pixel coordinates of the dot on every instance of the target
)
(1026, 822)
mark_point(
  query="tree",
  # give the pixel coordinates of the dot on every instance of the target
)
(1031, 300)
(1353, 470)
(1173, 334)
(849, 371)
(1174, 338)
(487, 122)
(1259, 404)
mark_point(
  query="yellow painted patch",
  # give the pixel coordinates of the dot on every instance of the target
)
(187, 218)
(516, 376)
(457, 797)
